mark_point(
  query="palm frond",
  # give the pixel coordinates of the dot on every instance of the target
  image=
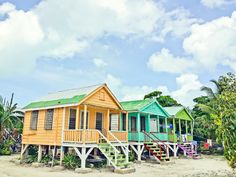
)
(218, 87)
(208, 91)
(207, 109)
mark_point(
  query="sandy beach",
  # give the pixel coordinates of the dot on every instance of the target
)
(206, 166)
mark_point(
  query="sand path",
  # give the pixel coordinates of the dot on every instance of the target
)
(206, 166)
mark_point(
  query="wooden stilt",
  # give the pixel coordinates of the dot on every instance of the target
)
(40, 153)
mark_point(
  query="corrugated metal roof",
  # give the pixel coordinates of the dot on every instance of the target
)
(173, 110)
(135, 104)
(71, 96)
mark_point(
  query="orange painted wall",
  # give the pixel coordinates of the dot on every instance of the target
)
(107, 102)
(42, 136)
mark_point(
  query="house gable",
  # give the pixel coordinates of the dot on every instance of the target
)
(184, 115)
(154, 108)
(102, 97)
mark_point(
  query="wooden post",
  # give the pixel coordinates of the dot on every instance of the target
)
(166, 124)
(83, 157)
(61, 155)
(158, 122)
(138, 126)
(108, 120)
(186, 127)
(127, 126)
(148, 123)
(39, 153)
(191, 127)
(85, 122)
(77, 119)
(63, 124)
(174, 129)
(180, 134)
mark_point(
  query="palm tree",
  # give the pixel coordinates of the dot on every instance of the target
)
(8, 115)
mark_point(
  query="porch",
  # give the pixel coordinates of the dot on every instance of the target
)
(140, 122)
(87, 128)
(180, 130)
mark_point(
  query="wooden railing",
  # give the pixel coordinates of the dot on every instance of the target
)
(81, 136)
(121, 136)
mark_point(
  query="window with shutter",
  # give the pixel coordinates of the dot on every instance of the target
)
(49, 119)
(34, 120)
(72, 119)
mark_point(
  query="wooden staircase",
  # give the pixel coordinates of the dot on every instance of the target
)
(113, 155)
(187, 148)
(156, 147)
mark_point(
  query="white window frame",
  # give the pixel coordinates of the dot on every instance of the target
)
(69, 119)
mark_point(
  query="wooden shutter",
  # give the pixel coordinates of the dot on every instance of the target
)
(34, 120)
(72, 119)
(49, 119)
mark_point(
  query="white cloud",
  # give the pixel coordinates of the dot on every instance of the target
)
(217, 3)
(99, 62)
(188, 87)
(213, 43)
(164, 61)
(56, 31)
(6, 8)
(208, 45)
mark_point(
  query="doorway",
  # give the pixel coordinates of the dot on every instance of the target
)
(99, 121)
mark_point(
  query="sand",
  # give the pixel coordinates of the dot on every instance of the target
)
(206, 166)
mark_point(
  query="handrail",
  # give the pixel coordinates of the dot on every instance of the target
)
(100, 133)
(122, 146)
(159, 139)
(154, 141)
(187, 151)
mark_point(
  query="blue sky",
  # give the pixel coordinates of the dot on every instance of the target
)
(134, 46)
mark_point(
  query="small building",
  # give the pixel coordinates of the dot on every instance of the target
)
(180, 132)
(83, 119)
(147, 124)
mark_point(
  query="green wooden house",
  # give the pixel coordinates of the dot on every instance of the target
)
(180, 125)
(145, 116)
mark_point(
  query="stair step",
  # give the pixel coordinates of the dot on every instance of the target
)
(149, 143)
(124, 164)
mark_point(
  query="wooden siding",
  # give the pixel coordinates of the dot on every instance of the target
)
(42, 136)
(106, 102)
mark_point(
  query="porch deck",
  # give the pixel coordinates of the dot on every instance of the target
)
(174, 138)
(140, 136)
(92, 136)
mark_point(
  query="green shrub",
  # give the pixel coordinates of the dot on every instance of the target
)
(31, 159)
(46, 159)
(71, 161)
(131, 156)
(5, 147)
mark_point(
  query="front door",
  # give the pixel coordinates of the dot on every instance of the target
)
(153, 125)
(99, 120)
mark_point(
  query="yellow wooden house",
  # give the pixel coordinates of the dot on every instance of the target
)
(81, 119)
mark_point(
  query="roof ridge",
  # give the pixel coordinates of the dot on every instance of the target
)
(136, 100)
(78, 88)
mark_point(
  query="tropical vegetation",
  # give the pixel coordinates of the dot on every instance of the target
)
(164, 100)
(10, 123)
(215, 115)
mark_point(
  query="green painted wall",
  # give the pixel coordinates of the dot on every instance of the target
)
(154, 109)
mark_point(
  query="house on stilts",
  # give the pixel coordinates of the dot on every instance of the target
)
(84, 120)
(147, 128)
(180, 131)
